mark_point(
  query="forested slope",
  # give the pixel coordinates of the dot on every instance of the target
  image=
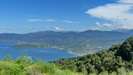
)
(118, 60)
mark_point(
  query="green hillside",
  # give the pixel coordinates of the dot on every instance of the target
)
(118, 60)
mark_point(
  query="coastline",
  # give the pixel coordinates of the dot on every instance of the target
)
(69, 51)
(54, 47)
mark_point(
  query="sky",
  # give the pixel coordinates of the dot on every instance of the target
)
(25, 16)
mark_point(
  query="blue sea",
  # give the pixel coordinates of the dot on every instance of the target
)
(45, 54)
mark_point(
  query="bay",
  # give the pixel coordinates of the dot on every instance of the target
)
(45, 54)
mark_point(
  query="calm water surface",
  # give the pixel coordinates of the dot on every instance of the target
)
(45, 54)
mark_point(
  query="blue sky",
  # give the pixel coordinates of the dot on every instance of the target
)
(24, 16)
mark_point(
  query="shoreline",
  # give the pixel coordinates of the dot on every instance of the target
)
(55, 47)
(69, 51)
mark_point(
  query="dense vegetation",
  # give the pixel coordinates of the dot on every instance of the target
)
(78, 42)
(24, 66)
(118, 60)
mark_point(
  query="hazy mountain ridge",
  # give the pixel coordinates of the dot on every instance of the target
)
(128, 31)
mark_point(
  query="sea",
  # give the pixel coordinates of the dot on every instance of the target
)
(44, 54)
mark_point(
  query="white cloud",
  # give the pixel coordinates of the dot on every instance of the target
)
(105, 25)
(34, 28)
(38, 28)
(41, 20)
(7, 28)
(58, 28)
(69, 21)
(125, 1)
(119, 13)
(50, 20)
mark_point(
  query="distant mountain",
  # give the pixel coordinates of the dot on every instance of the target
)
(87, 41)
(128, 31)
(121, 30)
(68, 36)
